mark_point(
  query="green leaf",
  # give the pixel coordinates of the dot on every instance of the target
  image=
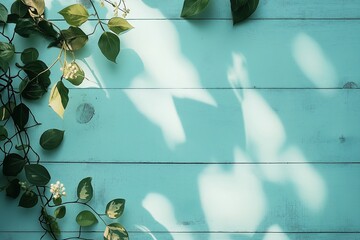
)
(13, 189)
(28, 200)
(119, 25)
(37, 174)
(7, 52)
(85, 189)
(29, 55)
(21, 115)
(193, 7)
(19, 8)
(22, 147)
(86, 219)
(115, 231)
(75, 14)
(25, 26)
(32, 90)
(35, 68)
(73, 73)
(241, 11)
(3, 13)
(53, 226)
(74, 38)
(5, 110)
(59, 98)
(60, 212)
(3, 133)
(39, 5)
(115, 208)
(47, 29)
(13, 164)
(57, 201)
(109, 44)
(51, 139)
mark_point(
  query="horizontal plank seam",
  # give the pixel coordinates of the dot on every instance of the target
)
(199, 163)
(206, 232)
(220, 88)
(228, 19)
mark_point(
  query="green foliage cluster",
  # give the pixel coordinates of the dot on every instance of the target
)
(23, 78)
(240, 9)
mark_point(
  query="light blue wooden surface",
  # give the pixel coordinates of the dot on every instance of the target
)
(275, 158)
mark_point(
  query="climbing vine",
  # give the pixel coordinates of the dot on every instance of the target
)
(24, 77)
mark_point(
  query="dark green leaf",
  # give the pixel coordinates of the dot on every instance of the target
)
(115, 231)
(29, 55)
(85, 189)
(25, 26)
(36, 68)
(37, 174)
(13, 164)
(74, 38)
(47, 28)
(240, 13)
(12, 18)
(115, 208)
(32, 90)
(19, 8)
(119, 25)
(3, 133)
(57, 201)
(59, 98)
(236, 4)
(86, 219)
(13, 189)
(7, 52)
(193, 7)
(51, 222)
(109, 44)
(60, 212)
(75, 14)
(39, 5)
(5, 110)
(3, 13)
(21, 115)
(28, 200)
(51, 139)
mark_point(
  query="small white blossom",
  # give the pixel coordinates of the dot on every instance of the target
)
(70, 70)
(24, 185)
(57, 189)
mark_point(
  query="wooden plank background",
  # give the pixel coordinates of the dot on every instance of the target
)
(211, 131)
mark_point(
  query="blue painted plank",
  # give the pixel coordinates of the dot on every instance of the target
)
(201, 236)
(221, 9)
(243, 199)
(204, 125)
(272, 54)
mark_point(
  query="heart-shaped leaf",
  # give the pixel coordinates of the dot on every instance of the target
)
(115, 231)
(51, 138)
(241, 11)
(3, 13)
(85, 189)
(37, 174)
(75, 14)
(28, 200)
(13, 189)
(7, 52)
(21, 115)
(119, 25)
(115, 208)
(74, 38)
(29, 55)
(60, 212)
(39, 5)
(86, 219)
(109, 44)
(59, 98)
(13, 164)
(3, 133)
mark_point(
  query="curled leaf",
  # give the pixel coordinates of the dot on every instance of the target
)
(75, 15)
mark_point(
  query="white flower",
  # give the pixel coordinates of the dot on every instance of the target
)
(24, 185)
(57, 190)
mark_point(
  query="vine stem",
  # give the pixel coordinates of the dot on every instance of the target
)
(97, 15)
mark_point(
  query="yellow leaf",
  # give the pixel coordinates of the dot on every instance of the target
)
(55, 101)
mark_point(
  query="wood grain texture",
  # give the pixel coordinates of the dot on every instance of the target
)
(275, 54)
(303, 198)
(267, 9)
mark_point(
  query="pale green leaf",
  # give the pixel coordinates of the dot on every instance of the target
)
(59, 98)
(39, 5)
(7, 52)
(3, 13)
(86, 219)
(119, 25)
(115, 231)
(115, 208)
(85, 189)
(75, 14)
